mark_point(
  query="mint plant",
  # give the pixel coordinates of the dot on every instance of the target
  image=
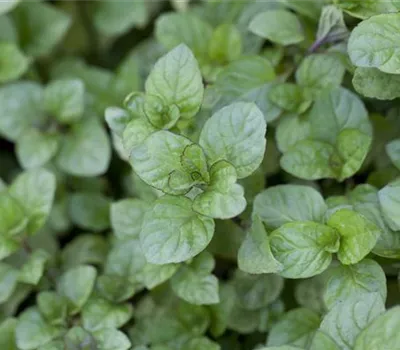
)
(199, 175)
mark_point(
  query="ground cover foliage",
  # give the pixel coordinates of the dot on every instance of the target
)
(199, 175)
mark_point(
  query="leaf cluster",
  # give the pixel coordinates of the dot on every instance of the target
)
(199, 175)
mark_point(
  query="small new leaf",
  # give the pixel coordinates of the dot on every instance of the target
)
(64, 99)
(223, 198)
(34, 190)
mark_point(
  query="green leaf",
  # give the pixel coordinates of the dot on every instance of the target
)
(252, 70)
(393, 151)
(8, 5)
(53, 345)
(323, 341)
(64, 99)
(7, 334)
(202, 343)
(85, 149)
(90, 210)
(98, 81)
(112, 18)
(389, 200)
(284, 347)
(85, 249)
(245, 321)
(279, 26)
(111, 339)
(8, 246)
(304, 248)
(358, 235)
(117, 119)
(99, 313)
(41, 27)
(369, 8)
(254, 292)
(35, 148)
(115, 288)
(173, 29)
(20, 107)
(13, 62)
(309, 160)
(53, 307)
(372, 83)
(336, 110)
(291, 129)
(8, 281)
(127, 217)
(308, 293)
(383, 330)
(345, 282)
(236, 133)
(76, 285)
(282, 204)
(348, 318)
(290, 97)
(194, 162)
(320, 71)
(248, 79)
(255, 254)
(32, 271)
(125, 259)
(223, 198)
(221, 312)
(78, 338)
(32, 331)
(127, 78)
(352, 147)
(34, 190)
(338, 141)
(195, 283)
(374, 43)
(172, 232)
(180, 6)
(227, 239)
(273, 54)
(297, 327)
(136, 132)
(160, 115)
(388, 245)
(331, 25)
(225, 44)
(176, 78)
(133, 104)
(173, 322)
(153, 275)
(12, 216)
(158, 162)
(310, 8)
(8, 30)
